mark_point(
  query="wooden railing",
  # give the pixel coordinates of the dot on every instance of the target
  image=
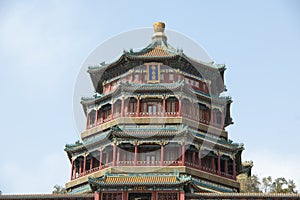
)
(153, 163)
(155, 114)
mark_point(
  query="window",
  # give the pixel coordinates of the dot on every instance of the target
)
(150, 159)
(218, 117)
(107, 114)
(132, 107)
(171, 106)
(152, 109)
(201, 113)
(171, 155)
(129, 156)
(92, 117)
(171, 77)
(136, 77)
(162, 77)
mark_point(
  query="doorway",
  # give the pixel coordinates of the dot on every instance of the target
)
(139, 196)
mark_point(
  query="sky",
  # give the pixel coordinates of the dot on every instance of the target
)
(43, 45)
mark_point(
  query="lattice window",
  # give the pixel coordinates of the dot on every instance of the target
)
(111, 196)
(167, 196)
(132, 107)
(171, 106)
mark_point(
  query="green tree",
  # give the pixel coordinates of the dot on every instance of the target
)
(292, 187)
(278, 185)
(281, 185)
(266, 184)
(57, 189)
(252, 184)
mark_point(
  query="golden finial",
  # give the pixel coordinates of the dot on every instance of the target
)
(159, 27)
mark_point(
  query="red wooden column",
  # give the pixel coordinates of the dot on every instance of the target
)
(181, 195)
(126, 108)
(219, 164)
(87, 120)
(97, 196)
(96, 117)
(234, 168)
(153, 195)
(80, 166)
(84, 163)
(122, 106)
(138, 106)
(213, 164)
(101, 116)
(164, 106)
(92, 163)
(179, 106)
(100, 160)
(72, 169)
(112, 109)
(124, 195)
(118, 156)
(135, 154)
(107, 157)
(182, 154)
(162, 154)
(199, 159)
(114, 154)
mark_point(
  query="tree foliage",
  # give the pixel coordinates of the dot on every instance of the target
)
(57, 189)
(252, 184)
(281, 185)
(267, 185)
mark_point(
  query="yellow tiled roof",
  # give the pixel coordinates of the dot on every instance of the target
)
(158, 51)
(141, 179)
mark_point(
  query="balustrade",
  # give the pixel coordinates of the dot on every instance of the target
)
(153, 114)
(148, 163)
(153, 163)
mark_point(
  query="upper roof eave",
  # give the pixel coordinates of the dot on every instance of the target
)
(126, 55)
(207, 65)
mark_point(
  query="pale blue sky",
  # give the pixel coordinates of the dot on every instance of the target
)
(44, 43)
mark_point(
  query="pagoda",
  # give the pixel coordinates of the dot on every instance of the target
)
(156, 128)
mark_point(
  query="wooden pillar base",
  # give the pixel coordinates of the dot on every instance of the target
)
(153, 193)
(181, 195)
(97, 196)
(125, 195)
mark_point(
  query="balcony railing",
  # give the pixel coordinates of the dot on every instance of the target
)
(172, 163)
(154, 114)
(153, 163)
(148, 163)
(126, 163)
